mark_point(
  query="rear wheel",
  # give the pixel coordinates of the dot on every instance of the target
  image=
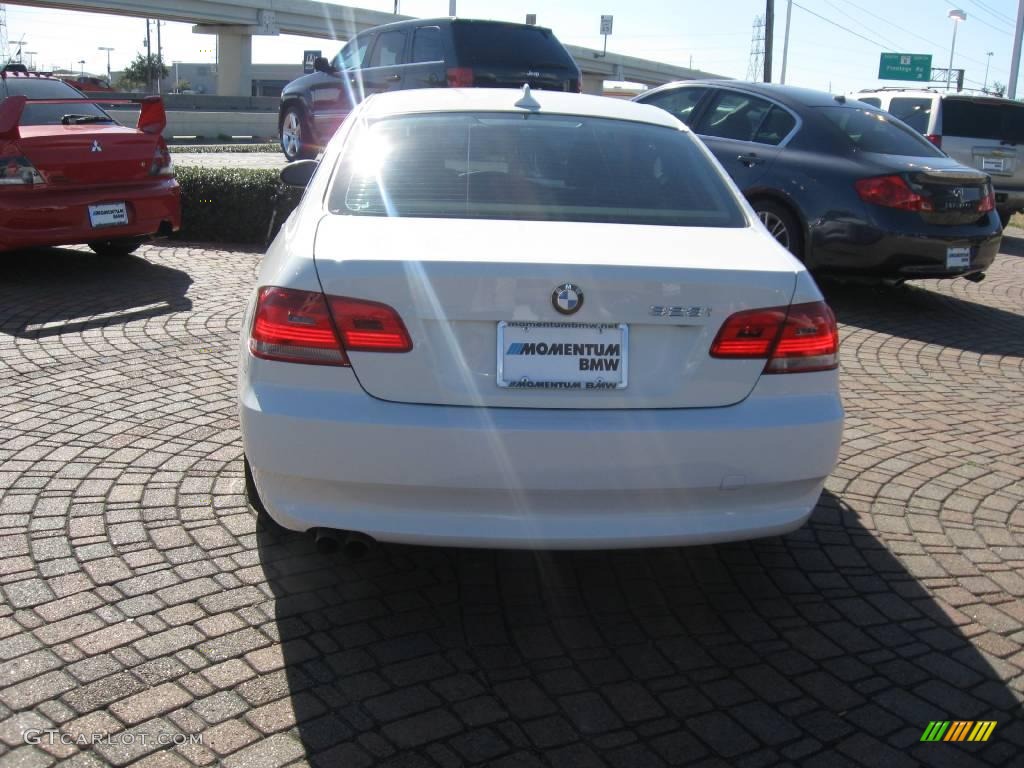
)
(119, 247)
(781, 224)
(295, 135)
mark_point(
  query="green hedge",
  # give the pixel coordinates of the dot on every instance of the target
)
(233, 205)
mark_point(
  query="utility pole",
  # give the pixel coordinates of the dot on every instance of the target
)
(785, 41)
(451, 7)
(159, 58)
(1011, 90)
(149, 60)
(108, 50)
(769, 26)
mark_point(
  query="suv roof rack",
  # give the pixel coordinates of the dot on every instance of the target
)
(897, 88)
(5, 73)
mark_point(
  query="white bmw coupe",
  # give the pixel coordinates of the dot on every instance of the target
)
(548, 320)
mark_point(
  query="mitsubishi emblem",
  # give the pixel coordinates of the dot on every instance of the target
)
(96, 146)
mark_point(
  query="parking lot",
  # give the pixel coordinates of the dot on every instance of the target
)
(141, 599)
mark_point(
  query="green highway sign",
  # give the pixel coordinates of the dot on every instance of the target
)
(905, 66)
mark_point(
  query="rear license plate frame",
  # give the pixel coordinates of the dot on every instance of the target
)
(514, 336)
(107, 215)
(958, 257)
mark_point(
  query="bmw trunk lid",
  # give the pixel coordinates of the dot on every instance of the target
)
(527, 314)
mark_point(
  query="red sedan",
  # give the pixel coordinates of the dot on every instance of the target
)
(70, 174)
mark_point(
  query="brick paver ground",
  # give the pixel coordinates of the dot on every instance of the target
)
(140, 599)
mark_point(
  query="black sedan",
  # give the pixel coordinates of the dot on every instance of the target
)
(847, 188)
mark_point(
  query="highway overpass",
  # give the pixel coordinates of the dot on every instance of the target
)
(236, 21)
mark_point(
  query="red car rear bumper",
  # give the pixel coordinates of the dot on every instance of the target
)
(43, 216)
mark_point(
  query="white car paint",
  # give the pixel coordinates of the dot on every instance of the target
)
(424, 448)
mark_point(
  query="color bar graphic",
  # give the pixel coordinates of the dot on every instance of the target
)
(958, 730)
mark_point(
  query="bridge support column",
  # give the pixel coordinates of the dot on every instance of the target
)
(593, 84)
(234, 64)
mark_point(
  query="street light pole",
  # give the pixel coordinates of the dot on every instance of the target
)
(1011, 89)
(785, 42)
(108, 50)
(957, 16)
(451, 7)
(988, 63)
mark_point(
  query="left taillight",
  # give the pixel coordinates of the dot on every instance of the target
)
(162, 165)
(891, 192)
(17, 170)
(795, 339)
(308, 327)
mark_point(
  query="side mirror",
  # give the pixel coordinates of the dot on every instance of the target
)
(321, 64)
(299, 173)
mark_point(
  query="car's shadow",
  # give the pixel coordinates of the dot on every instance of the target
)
(911, 311)
(1012, 245)
(816, 647)
(52, 291)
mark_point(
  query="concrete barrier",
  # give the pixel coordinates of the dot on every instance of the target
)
(209, 125)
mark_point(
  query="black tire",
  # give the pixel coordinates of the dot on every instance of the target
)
(295, 135)
(252, 495)
(116, 248)
(1004, 218)
(782, 225)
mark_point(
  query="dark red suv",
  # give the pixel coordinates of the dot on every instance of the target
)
(419, 53)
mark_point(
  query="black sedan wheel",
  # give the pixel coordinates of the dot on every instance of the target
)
(295, 134)
(781, 224)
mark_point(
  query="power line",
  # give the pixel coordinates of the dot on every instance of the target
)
(837, 24)
(862, 25)
(945, 3)
(997, 15)
(937, 46)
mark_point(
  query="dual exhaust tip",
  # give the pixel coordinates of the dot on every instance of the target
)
(353, 544)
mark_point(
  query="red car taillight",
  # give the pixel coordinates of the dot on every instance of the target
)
(987, 203)
(891, 192)
(460, 77)
(795, 339)
(308, 327)
(162, 164)
(935, 139)
(18, 170)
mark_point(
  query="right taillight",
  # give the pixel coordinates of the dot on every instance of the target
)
(891, 192)
(795, 339)
(935, 139)
(308, 327)
(987, 203)
(17, 170)
(460, 77)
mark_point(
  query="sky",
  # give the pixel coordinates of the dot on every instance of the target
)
(834, 44)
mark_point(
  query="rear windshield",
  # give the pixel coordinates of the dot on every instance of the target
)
(531, 167)
(49, 114)
(995, 120)
(483, 44)
(868, 130)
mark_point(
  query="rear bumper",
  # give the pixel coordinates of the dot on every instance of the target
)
(865, 249)
(331, 456)
(47, 216)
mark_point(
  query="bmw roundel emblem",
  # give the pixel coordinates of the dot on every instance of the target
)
(567, 298)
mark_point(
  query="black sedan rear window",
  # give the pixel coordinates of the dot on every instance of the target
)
(51, 114)
(491, 44)
(531, 167)
(868, 130)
